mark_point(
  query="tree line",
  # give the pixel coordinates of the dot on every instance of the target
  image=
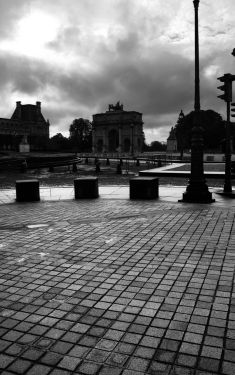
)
(213, 127)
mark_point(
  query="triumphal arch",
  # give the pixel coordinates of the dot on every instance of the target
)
(117, 131)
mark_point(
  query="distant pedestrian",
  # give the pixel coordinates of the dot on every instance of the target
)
(24, 166)
(97, 165)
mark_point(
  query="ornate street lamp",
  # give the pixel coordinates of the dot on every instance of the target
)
(197, 190)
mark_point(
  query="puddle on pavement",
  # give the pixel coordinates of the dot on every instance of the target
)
(33, 226)
(43, 254)
(111, 240)
(21, 260)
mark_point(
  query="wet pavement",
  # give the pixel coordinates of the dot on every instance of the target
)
(113, 286)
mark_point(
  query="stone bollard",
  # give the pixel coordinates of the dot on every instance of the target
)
(144, 187)
(27, 190)
(86, 187)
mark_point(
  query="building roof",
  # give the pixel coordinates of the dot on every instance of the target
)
(28, 112)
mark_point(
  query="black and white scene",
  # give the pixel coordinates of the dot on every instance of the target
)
(117, 166)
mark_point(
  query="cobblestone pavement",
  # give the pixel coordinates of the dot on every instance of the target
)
(113, 286)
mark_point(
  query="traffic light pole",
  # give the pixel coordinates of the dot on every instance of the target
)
(227, 181)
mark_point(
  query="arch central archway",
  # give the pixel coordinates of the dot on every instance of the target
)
(113, 140)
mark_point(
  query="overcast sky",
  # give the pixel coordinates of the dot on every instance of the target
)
(78, 56)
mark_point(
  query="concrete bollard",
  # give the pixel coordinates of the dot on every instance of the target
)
(143, 188)
(86, 187)
(27, 190)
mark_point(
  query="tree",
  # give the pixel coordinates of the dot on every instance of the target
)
(157, 146)
(213, 130)
(81, 135)
(154, 146)
(58, 142)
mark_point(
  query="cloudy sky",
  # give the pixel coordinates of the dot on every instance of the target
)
(78, 56)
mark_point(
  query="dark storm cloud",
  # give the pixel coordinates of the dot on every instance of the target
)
(143, 86)
(24, 74)
(155, 86)
(152, 81)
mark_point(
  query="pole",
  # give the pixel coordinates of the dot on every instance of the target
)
(197, 106)
(227, 181)
(132, 140)
(197, 190)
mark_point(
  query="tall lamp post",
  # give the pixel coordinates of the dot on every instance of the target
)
(197, 189)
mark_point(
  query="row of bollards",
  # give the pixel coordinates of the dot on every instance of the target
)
(87, 187)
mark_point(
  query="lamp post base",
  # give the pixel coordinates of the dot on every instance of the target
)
(197, 193)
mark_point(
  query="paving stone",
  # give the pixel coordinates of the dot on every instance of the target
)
(209, 364)
(20, 366)
(211, 352)
(89, 341)
(89, 368)
(5, 360)
(51, 358)
(228, 368)
(60, 372)
(164, 356)
(69, 363)
(144, 352)
(78, 351)
(39, 370)
(159, 368)
(98, 356)
(32, 354)
(15, 349)
(178, 370)
(107, 370)
(106, 344)
(61, 347)
(138, 364)
(186, 360)
(117, 359)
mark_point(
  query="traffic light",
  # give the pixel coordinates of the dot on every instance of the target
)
(233, 109)
(226, 88)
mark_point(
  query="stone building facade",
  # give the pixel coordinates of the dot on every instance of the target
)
(27, 124)
(117, 131)
(171, 141)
